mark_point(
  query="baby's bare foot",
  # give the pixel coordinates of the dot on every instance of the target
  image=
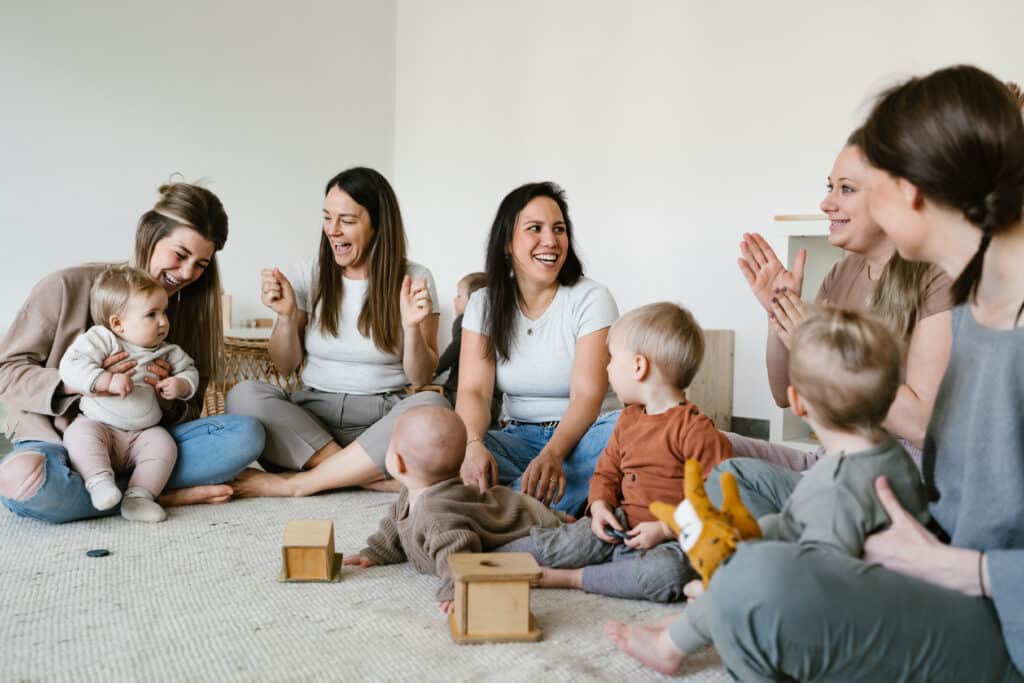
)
(650, 645)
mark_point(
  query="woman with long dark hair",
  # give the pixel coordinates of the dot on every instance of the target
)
(538, 335)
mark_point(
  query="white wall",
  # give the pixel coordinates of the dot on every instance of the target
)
(102, 101)
(674, 127)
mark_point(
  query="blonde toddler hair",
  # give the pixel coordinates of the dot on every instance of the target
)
(846, 365)
(668, 335)
(112, 289)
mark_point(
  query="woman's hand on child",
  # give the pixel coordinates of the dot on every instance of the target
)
(446, 606)
(173, 388)
(787, 313)
(276, 293)
(359, 561)
(544, 478)
(646, 535)
(119, 362)
(601, 516)
(415, 303)
(907, 547)
(479, 468)
(764, 271)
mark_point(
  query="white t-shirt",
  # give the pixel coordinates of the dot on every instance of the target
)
(536, 379)
(349, 363)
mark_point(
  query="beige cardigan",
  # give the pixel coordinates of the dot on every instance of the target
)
(56, 312)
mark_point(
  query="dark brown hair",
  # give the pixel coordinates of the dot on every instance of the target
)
(193, 313)
(957, 134)
(502, 290)
(380, 317)
(473, 282)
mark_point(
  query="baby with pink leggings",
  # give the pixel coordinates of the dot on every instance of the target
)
(118, 429)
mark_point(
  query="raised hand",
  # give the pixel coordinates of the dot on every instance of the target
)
(787, 313)
(276, 292)
(764, 271)
(415, 303)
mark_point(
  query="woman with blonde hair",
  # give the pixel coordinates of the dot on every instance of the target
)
(913, 298)
(176, 243)
(361, 319)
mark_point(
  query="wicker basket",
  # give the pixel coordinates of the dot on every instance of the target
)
(246, 359)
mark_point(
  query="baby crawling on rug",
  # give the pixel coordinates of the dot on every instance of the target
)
(437, 515)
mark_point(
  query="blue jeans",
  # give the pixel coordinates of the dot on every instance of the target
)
(211, 450)
(515, 446)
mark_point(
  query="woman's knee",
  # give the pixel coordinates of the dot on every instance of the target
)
(251, 398)
(427, 398)
(762, 575)
(22, 474)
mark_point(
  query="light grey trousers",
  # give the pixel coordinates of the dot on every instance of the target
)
(612, 569)
(299, 423)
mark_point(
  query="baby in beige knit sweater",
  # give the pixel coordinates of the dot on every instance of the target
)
(437, 515)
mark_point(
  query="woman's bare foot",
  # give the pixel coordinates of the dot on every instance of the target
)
(650, 645)
(197, 495)
(560, 578)
(254, 483)
(386, 485)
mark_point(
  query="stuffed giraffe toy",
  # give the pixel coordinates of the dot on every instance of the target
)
(708, 535)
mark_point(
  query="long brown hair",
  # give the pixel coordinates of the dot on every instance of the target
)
(956, 134)
(380, 317)
(194, 312)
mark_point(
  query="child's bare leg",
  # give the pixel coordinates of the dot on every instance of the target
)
(560, 578)
(649, 644)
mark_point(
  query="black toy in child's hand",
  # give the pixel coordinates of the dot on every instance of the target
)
(612, 531)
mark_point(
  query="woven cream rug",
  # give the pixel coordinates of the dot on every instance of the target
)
(197, 599)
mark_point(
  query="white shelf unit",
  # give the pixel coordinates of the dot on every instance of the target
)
(790, 234)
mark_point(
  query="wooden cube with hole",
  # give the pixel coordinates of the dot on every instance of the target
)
(308, 551)
(492, 597)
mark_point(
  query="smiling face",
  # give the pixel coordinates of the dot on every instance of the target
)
(143, 321)
(540, 242)
(851, 226)
(349, 232)
(180, 259)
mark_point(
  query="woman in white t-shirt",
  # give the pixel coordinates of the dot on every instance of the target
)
(362, 317)
(538, 334)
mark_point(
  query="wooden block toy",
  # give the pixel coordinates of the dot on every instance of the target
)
(492, 597)
(308, 551)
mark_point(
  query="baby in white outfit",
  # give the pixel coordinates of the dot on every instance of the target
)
(118, 429)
